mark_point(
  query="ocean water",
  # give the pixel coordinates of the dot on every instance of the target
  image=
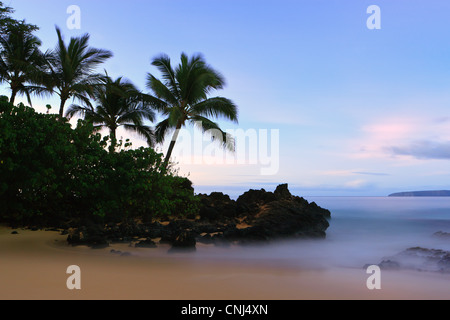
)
(368, 229)
(363, 230)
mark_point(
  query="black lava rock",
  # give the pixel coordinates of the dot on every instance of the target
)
(184, 241)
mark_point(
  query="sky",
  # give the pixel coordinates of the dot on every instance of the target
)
(326, 104)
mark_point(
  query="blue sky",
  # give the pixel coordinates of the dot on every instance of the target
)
(358, 111)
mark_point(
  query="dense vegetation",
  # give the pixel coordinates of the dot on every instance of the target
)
(52, 173)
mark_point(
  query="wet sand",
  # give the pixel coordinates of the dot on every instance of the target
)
(33, 266)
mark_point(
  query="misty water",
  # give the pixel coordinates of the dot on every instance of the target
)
(363, 230)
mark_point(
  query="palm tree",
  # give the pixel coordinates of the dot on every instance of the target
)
(182, 97)
(7, 22)
(72, 67)
(21, 62)
(119, 103)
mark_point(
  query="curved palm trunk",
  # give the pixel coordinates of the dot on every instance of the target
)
(172, 145)
(13, 96)
(61, 108)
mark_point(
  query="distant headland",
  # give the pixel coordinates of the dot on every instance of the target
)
(432, 193)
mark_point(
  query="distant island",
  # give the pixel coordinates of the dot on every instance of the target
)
(433, 193)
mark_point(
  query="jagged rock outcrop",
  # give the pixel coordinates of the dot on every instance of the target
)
(420, 259)
(260, 215)
(256, 216)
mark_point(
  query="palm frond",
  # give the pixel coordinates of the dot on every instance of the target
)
(77, 110)
(144, 131)
(194, 80)
(39, 91)
(137, 114)
(162, 63)
(197, 79)
(162, 129)
(72, 67)
(154, 103)
(160, 90)
(216, 107)
(22, 63)
(217, 134)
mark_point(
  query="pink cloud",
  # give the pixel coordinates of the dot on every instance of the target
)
(379, 138)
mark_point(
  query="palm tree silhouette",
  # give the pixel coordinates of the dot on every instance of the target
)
(71, 69)
(21, 62)
(118, 103)
(182, 97)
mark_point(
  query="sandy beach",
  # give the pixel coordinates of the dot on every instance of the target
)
(33, 265)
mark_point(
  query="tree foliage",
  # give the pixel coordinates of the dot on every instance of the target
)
(7, 22)
(182, 97)
(21, 62)
(51, 174)
(118, 104)
(71, 69)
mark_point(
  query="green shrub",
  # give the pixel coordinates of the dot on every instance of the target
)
(51, 173)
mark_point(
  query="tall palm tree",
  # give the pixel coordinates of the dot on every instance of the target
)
(118, 103)
(21, 62)
(71, 69)
(182, 97)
